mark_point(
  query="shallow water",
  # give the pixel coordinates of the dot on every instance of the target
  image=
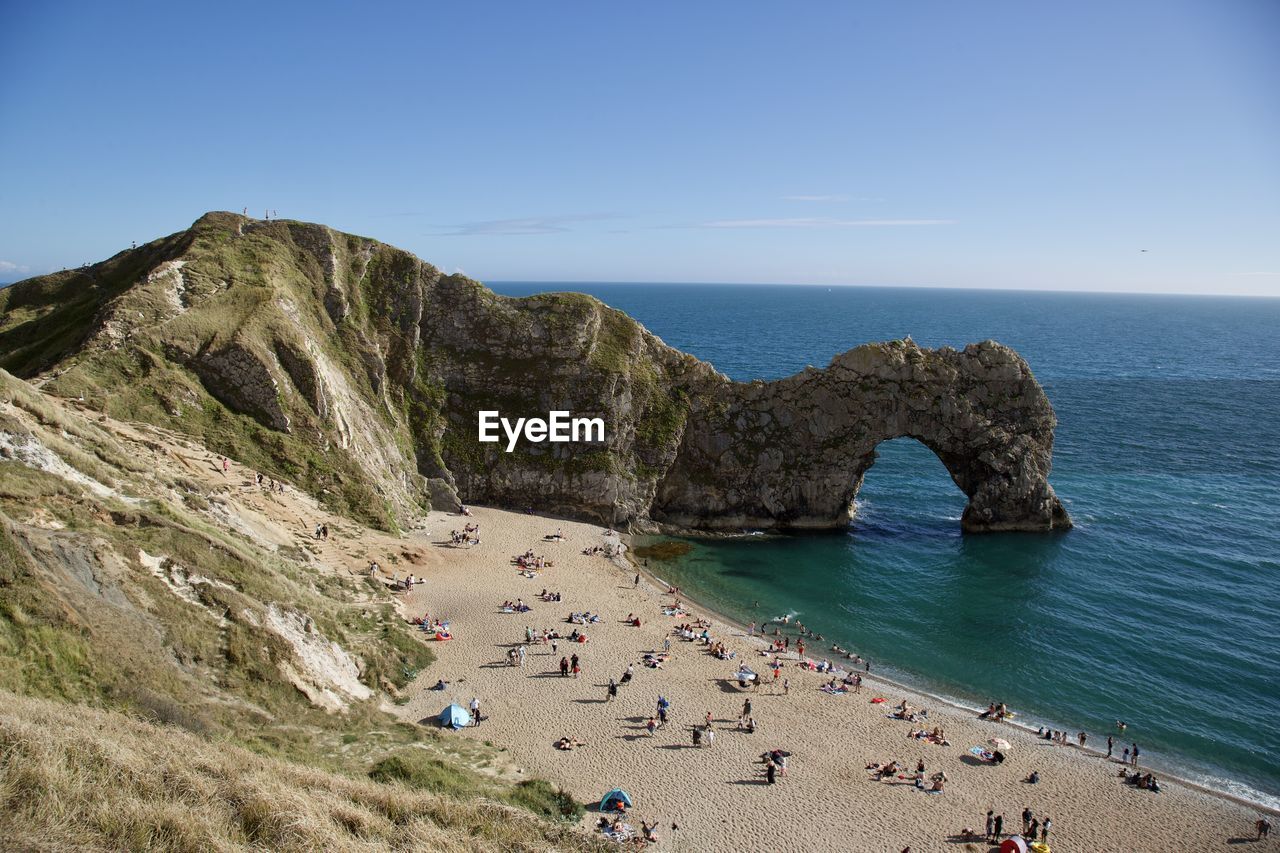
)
(1162, 606)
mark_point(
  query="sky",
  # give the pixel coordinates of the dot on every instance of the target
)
(1131, 146)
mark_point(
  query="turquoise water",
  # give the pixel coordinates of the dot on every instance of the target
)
(1161, 608)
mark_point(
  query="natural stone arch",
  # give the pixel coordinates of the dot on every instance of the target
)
(793, 453)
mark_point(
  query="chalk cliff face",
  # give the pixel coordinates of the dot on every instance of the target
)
(356, 371)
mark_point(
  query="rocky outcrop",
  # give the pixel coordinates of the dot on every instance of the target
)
(369, 367)
(793, 453)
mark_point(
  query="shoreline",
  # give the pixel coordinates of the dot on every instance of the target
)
(923, 693)
(717, 795)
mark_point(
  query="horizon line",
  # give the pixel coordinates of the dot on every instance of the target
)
(1092, 292)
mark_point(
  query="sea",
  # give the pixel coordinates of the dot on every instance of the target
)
(1161, 608)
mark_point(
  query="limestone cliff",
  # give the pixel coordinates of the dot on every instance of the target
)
(356, 370)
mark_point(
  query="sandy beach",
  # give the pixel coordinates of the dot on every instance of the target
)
(717, 795)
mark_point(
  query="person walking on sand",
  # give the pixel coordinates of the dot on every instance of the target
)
(564, 667)
(710, 736)
(651, 725)
(786, 686)
(1044, 829)
(1027, 815)
(991, 825)
(697, 737)
(746, 707)
(475, 711)
(613, 690)
(1134, 755)
(770, 771)
(1111, 743)
(999, 826)
(1263, 828)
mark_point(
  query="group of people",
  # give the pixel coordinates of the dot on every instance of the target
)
(1145, 781)
(935, 735)
(272, 485)
(468, 535)
(531, 561)
(1060, 737)
(997, 711)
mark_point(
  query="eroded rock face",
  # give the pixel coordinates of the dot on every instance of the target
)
(370, 366)
(793, 453)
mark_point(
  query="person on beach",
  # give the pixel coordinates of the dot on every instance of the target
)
(1044, 829)
(1027, 815)
(746, 707)
(1111, 742)
(770, 771)
(991, 825)
(613, 691)
(564, 667)
(710, 736)
(1083, 739)
(786, 686)
(475, 711)
(651, 725)
(697, 737)
(1125, 758)
(1134, 754)
(999, 827)
(1263, 828)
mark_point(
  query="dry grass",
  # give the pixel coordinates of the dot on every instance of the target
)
(71, 776)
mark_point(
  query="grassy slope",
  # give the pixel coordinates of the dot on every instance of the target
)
(81, 621)
(71, 776)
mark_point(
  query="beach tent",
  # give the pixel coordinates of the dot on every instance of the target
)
(454, 717)
(1013, 844)
(615, 796)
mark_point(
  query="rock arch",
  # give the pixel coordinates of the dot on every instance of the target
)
(793, 453)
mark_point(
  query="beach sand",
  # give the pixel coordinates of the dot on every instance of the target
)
(717, 795)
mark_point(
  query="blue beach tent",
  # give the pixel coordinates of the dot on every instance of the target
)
(609, 800)
(454, 717)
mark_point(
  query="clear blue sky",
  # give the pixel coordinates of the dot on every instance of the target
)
(983, 144)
